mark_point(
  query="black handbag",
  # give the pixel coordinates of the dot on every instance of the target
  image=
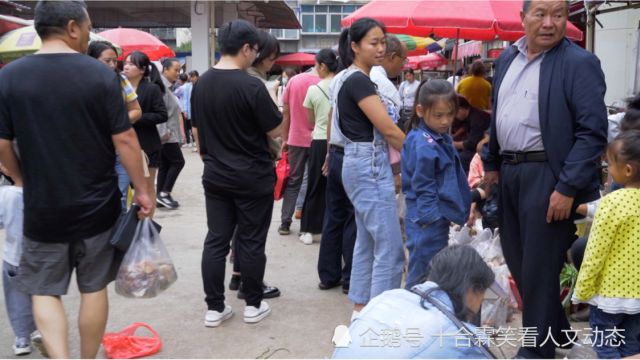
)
(125, 228)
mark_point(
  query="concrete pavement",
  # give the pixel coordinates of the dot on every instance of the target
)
(302, 320)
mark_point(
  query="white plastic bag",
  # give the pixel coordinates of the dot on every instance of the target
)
(146, 269)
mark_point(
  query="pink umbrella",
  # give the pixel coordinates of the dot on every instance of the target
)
(297, 59)
(131, 40)
(463, 19)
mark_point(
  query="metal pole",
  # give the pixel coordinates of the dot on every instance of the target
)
(455, 57)
(591, 29)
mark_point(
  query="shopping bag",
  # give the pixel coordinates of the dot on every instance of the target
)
(283, 170)
(146, 269)
(126, 345)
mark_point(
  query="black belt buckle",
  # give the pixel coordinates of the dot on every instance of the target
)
(514, 158)
(510, 158)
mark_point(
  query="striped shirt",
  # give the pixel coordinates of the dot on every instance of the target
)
(128, 94)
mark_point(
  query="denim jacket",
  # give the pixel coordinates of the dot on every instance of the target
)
(395, 326)
(433, 181)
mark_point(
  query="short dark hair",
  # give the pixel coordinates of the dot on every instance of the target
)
(631, 120)
(358, 30)
(431, 91)
(193, 73)
(183, 77)
(96, 48)
(408, 71)
(267, 47)
(463, 102)
(394, 45)
(168, 62)
(51, 17)
(233, 35)
(478, 69)
(457, 269)
(329, 58)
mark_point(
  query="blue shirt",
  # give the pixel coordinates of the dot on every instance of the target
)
(518, 115)
(186, 98)
(433, 181)
(395, 326)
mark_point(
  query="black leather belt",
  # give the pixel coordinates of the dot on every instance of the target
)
(338, 149)
(517, 157)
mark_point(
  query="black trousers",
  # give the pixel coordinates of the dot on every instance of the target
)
(171, 164)
(188, 133)
(339, 231)
(252, 216)
(535, 251)
(314, 200)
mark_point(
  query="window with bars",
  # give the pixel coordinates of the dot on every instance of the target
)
(285, 34)
(324, 19)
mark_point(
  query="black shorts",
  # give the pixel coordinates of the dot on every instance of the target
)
(45, 268)
(154, 159)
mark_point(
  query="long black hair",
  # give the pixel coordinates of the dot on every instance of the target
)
(355, 33)
(457, 269)
(329, 58)
(151, 73)
(431, 91)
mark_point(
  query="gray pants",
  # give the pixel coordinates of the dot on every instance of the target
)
(303, 189)
(297, 161)
(18, 303)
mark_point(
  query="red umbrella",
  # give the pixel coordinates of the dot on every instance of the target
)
(425, 62)
(296, 59)
(431, 61)
(464, 19)
(131, 40)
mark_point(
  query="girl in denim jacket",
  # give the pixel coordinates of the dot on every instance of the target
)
(433, 181)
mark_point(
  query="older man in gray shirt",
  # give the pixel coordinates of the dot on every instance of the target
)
(548, 133)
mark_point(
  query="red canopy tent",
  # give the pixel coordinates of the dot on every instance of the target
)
(8, 23)
(463, 19)
(425, 62)
(297, 59)
(131, 40)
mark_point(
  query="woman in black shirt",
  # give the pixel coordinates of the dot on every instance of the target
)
(146, 82)
(367, 131)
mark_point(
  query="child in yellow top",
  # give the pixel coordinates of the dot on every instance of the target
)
(609, 279)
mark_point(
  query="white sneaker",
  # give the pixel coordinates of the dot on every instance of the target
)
(215, 318)
(354, 315)
(253, 315)
(306, 238)
(38, 343)
(21, 347)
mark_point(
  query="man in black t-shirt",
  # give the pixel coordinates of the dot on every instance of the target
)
(238, 178)
(67, 138)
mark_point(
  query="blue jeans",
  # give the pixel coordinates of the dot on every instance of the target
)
(18, 303)
(604, 339)
(123, 182)
(378, 256)
(423, 245)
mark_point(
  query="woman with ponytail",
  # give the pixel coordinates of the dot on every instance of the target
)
(147, 83)
(318, 105)
(366, 130)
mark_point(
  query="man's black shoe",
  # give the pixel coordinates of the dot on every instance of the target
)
(268, 292)
(325, 286)
(284, 229)
(234, 284)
